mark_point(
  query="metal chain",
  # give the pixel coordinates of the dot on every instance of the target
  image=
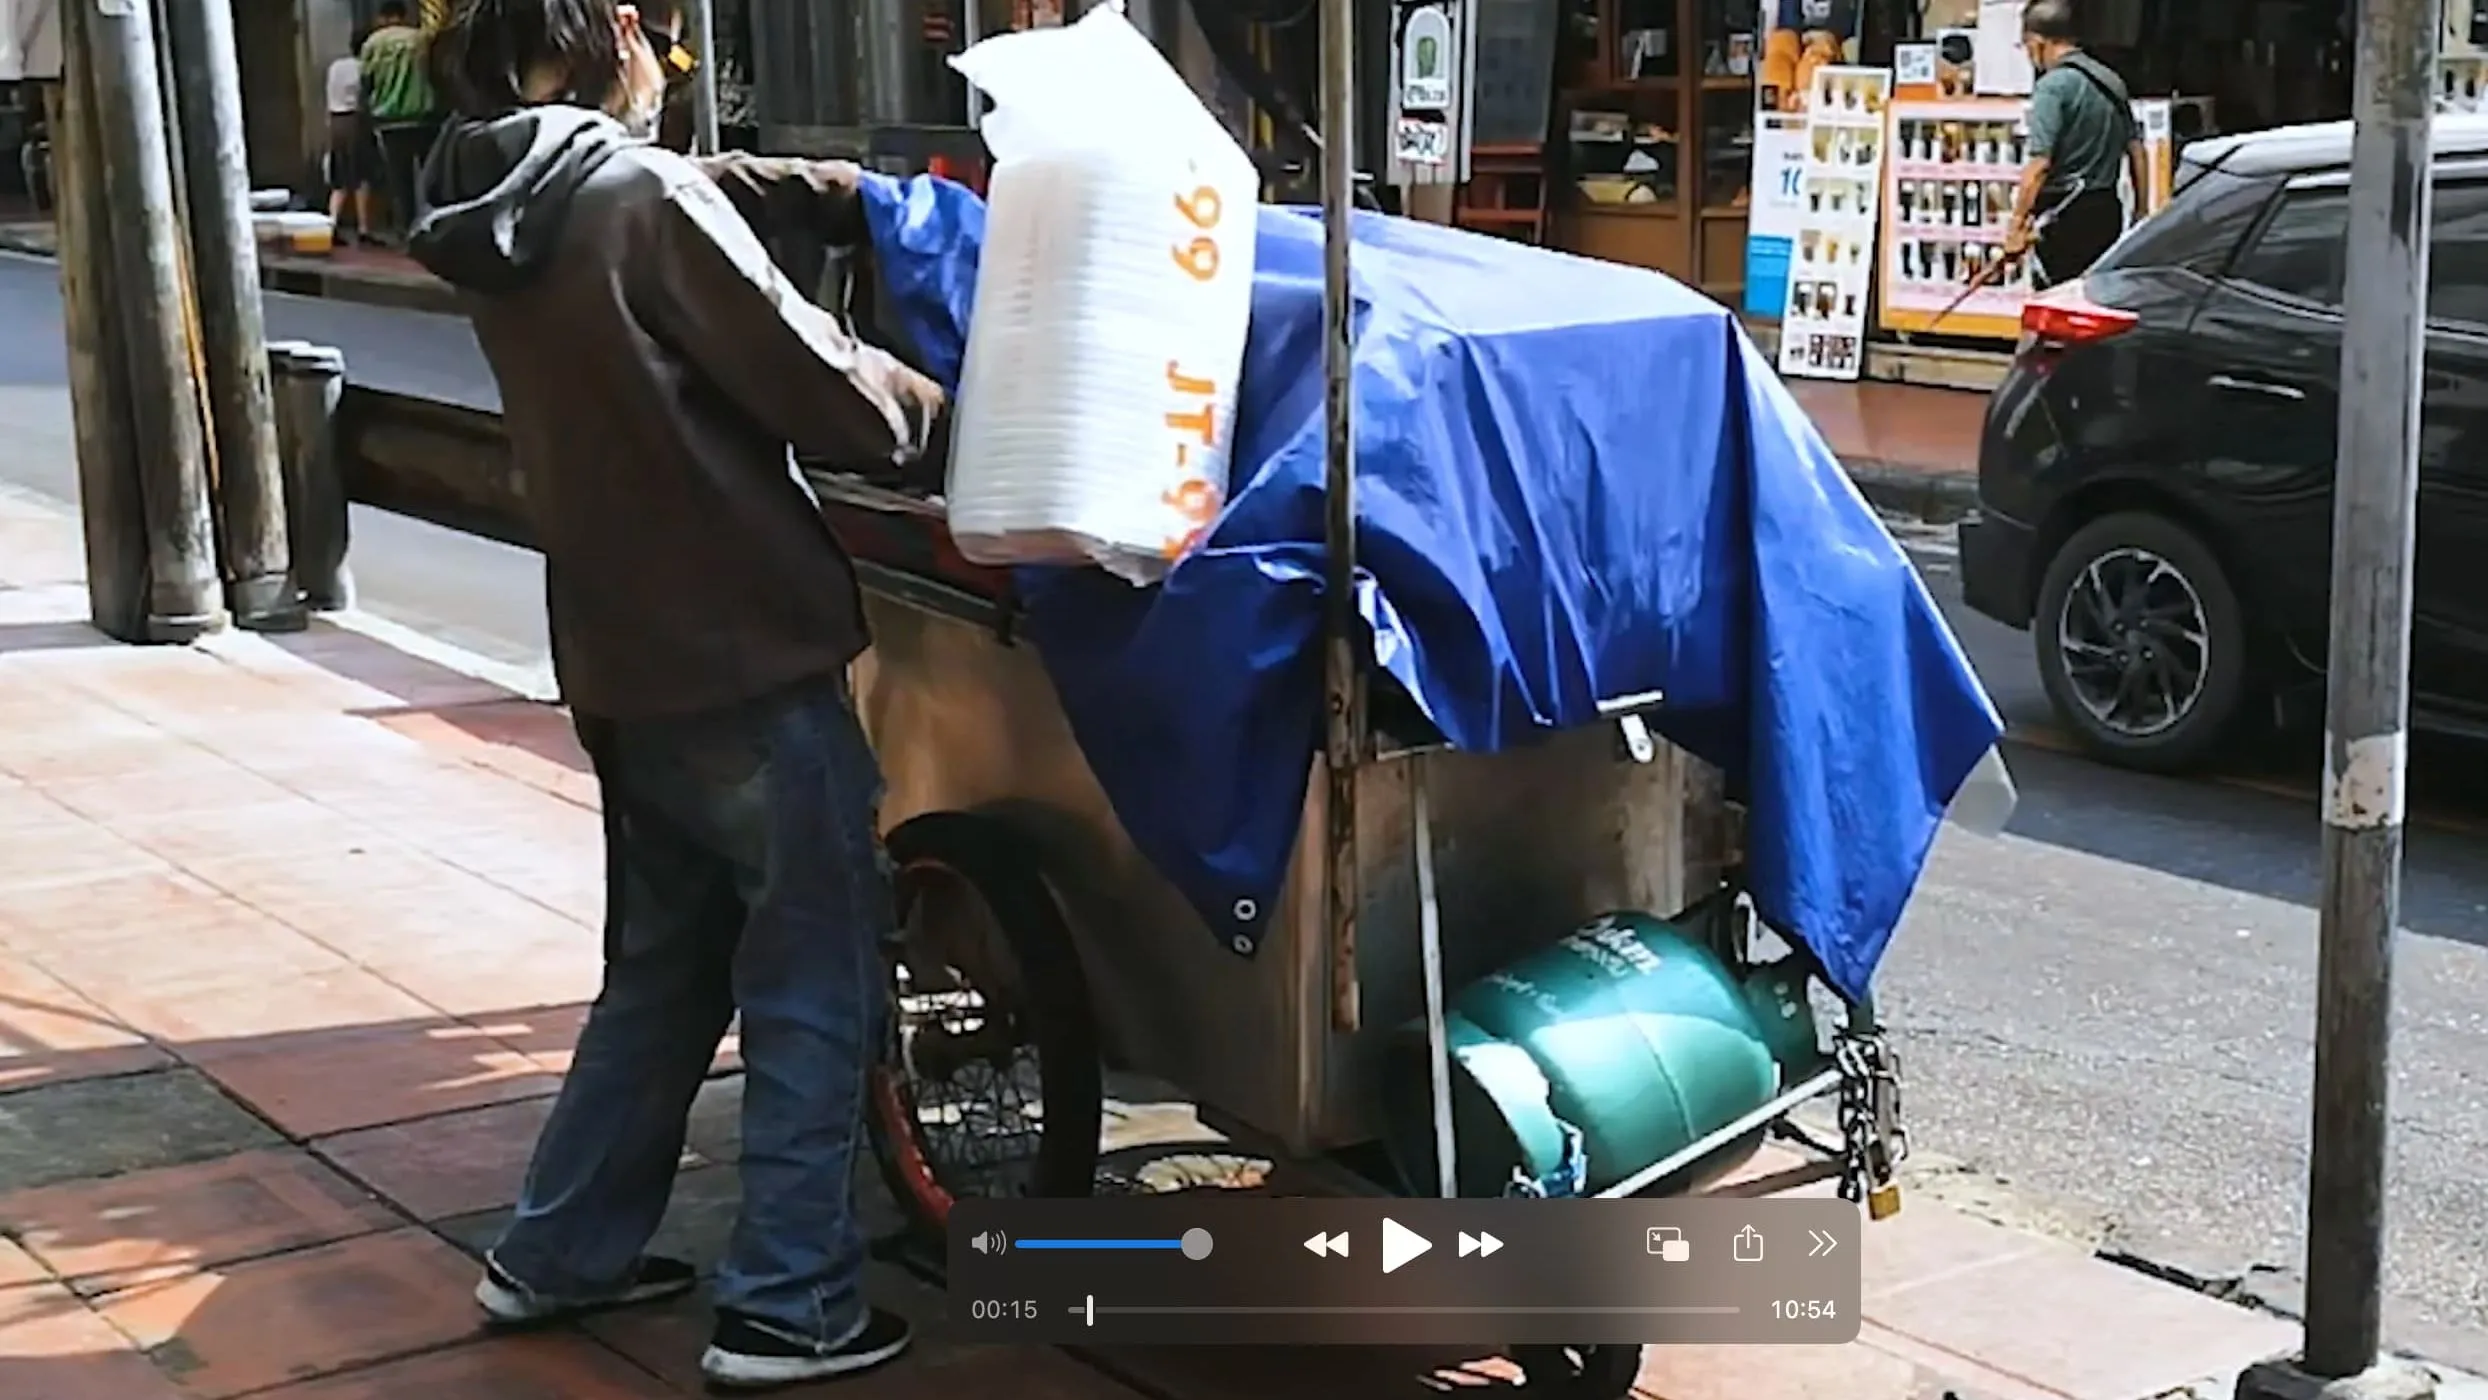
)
(1873, 1142)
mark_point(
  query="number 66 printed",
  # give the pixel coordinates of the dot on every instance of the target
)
(1202, 209)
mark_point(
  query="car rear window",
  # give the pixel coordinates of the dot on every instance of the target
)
(2199, 230)
(2298, 251)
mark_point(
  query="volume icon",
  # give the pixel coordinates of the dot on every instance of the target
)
(989, 1242)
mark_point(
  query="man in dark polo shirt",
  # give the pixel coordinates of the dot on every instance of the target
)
(2083, 140)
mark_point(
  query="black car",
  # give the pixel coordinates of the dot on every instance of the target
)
(2155, 474)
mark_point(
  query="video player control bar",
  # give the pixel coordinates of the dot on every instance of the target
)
(1205, 1268)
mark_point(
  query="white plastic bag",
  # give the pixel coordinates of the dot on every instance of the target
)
(1097, 401)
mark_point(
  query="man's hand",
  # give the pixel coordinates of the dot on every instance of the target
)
(2017, 239)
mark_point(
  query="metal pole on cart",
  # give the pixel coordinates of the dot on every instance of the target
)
(2367, 714)
(1345, 650)
(1343, 653)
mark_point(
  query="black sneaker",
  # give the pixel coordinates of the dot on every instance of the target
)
(509, 1303)
(748, 1354)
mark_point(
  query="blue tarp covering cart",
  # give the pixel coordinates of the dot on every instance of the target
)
(1576, 482)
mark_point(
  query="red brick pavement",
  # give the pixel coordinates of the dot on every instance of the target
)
(356, 892)
(1897, 428)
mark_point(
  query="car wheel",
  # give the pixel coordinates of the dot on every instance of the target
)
(2142, 642)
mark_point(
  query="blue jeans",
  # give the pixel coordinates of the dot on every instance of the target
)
(742, 873)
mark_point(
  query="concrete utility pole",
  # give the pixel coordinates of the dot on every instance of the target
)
(250, 490)
(2367, 718)
(151, 295)
(109, 506)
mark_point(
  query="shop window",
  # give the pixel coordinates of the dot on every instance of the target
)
(2458, 255)
(2299, 252)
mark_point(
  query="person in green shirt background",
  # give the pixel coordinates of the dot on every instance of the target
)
(398, 104)
(2083, 142)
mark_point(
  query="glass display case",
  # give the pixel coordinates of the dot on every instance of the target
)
(1656, 122)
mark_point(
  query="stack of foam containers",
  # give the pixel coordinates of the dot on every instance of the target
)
(1097, 402)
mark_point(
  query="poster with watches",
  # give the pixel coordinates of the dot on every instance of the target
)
(1823, 329)
(1950, 187)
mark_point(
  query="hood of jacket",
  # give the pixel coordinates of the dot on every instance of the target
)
(495, 193)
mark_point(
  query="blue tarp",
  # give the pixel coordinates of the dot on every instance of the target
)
(1576, 481)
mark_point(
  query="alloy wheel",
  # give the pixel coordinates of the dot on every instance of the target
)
(2135, 641)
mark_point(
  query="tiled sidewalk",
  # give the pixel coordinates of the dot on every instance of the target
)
(294, 938)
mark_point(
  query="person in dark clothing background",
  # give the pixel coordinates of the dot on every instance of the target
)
(2083, 142)
(655, 368)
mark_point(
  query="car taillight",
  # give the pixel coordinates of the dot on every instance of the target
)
(2064, 316)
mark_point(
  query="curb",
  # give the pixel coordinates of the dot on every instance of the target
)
(294, 278)
(1937, 495)
(2455, 1354)
(298, 277)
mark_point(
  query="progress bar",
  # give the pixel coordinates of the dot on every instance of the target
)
(1088, 1310)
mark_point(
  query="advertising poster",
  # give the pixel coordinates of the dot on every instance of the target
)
(1799, 39)
(1951, 181)
(1823, 329)
(1777, 211)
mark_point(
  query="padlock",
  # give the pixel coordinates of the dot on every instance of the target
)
(1884, 1201)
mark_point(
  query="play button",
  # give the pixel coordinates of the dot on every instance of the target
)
(1400, 1244)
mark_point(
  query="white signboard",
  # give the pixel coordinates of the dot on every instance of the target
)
(1426, 56)
(1777, 212)
(1823, 329)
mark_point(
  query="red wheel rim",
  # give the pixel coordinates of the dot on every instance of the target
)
(915, 1170)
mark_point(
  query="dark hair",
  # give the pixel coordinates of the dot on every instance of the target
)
(2051, 20)
(391, 10)
(484, 56)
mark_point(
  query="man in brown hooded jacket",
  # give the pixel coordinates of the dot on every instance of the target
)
(655, 369)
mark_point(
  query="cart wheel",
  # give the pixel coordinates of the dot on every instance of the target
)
(991, 1084)
(1579, 1373)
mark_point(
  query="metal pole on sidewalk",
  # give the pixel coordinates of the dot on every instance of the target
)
(250, 492)
(109, 505)
(2368, 712)
(150, 292)
(703, 16)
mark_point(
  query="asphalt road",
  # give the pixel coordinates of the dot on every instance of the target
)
(2112, 1006)
(2109, 1008)
(483, 596)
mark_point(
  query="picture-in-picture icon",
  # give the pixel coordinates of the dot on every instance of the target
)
(1669, 1243)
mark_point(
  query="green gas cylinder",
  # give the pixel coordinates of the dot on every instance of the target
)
(1620, 1045)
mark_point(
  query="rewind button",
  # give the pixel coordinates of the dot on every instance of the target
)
(1333, 1246)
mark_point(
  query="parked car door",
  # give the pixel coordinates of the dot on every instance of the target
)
(2449, 625)
(2266, 387)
